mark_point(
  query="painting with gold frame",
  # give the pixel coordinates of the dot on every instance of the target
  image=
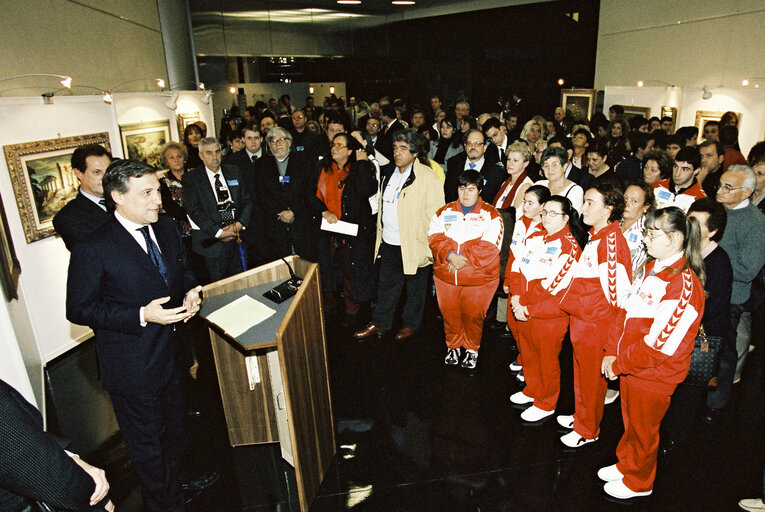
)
(9, 263)
(144, 141)
(43, 179)
(579, 102)
(631, 111)
(186, 119)
(703, 116)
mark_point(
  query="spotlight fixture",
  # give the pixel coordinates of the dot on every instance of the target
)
(640, 83)
(66, 80)
(561, 81)
(349, 2)
(160, 83)
(201, 86)
(107, 97)
(332, 89)
(310, 90)
(403, 2)
(745, 82)
(232, 90)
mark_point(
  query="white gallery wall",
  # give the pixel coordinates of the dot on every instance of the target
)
(37, 319)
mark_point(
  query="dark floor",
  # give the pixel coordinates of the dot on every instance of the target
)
(442, 440)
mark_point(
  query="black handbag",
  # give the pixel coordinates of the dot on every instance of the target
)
(705, 360)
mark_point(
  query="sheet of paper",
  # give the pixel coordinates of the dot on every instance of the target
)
(240, 315)
(342, 227)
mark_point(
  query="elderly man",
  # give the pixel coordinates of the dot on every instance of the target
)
(411, 195)
(492, 174)
(219, 204)
(283, 186)
(743, 240)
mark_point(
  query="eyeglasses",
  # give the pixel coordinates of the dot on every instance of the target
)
(338, 145)
(728, 189)
(280, 140)
(655, 233)
(551, 214)
(474, 144)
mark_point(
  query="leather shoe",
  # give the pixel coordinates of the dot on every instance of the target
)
(368, 331)
(201, 482)
(404, 333)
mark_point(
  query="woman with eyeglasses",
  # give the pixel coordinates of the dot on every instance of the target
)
(554, 161)
(536, 282)
(663, 313)
(344, 185)
(594, 302)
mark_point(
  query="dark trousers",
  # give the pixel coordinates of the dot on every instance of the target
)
(719, 398)
(391, 282)
(152, 427)
(226, 264)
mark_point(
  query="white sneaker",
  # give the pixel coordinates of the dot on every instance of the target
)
(534, 414)
(752, 505)
(566, 421)
(515, 367)
(617, 489)
(521, 399)
(574, 440)
(470, 360)
(611, 396)
(610, 473)
(519, 376)
(452, 357)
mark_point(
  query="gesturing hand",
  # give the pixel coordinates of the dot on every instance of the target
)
(191, 302)
(154, 312)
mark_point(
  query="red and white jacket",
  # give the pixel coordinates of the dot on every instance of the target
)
(601, 281)
(544, 273)
(665, 197)
(524, 227)
(664, 312)
(476, 235)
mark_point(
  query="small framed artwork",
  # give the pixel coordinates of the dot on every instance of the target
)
(633, 111)
(9, 264)
(704, 116)
(669, 112)
(43, 179)
(580, 103)
(186, 119)
(144, 141)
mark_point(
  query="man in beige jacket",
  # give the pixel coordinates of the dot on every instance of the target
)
(411, 194)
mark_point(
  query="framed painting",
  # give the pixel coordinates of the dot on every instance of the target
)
(580, 103)
(144, 141)
(186, 119)
(704, 116)
(9, 264)
(43, 179)
(633, 111)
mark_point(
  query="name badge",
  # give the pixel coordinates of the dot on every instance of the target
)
(633, 237)
(450, 218)
(551, 250)
(233, 183)
(284, 179)
(664, 195)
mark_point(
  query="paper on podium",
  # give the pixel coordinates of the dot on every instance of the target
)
(238, 316)
(342, 227)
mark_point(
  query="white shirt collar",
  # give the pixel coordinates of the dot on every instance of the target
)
(666, 262)
(128, 224)
(478, 164)
(742, 204)
(93, 198)
(212, 174)
(260, 152)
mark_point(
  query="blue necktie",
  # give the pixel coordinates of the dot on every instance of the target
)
(154, 254)
(471, 165)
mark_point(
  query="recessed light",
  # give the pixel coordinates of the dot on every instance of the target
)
(349, 2)
(403, 2)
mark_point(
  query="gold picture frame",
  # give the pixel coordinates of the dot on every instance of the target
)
(10, 269)
(578, 102)
(144, 141)
(43, 179)
(631, 111)
(186, 119)
(702, 116)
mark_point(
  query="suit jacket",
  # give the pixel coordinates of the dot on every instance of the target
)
(386, 145)
(581, 177)
(78, 218)
(35, 466)
(200, 202)
(293, 192)
(493, 175)
(110, 279)
(492, 154)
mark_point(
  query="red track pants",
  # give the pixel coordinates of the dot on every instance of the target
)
(464, 310)
(540, 342)
(642, 412)
(588, 340)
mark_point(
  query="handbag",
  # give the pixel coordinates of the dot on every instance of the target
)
(705, 359)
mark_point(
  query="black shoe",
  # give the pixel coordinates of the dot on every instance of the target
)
(201, 482)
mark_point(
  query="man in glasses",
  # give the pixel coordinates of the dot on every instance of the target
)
(282, 183)
(474, 157)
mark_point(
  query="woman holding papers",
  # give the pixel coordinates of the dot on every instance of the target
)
(344, 184)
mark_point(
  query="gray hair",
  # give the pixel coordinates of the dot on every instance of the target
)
(208, 141)
(750, 177)
(174, 145)
(117, 175)
(278, 130)
(412, 138)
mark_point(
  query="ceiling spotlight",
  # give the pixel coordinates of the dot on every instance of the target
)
(232, 90)
(107, 97)
(706, 94)
(206, 98)
(310, 90)
(403, 2)
(349, 2)
(201, 86)
(332, 89)
(67, 82)
(160, 83)
(745, 82)
(640, 83)
(561, 81)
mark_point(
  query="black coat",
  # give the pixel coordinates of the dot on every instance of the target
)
(359, 186)
(494, 176)
(78, 218)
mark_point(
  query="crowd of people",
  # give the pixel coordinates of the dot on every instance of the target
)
(622, 237)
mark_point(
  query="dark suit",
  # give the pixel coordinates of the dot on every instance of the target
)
(35, 466)
(494, 176)
(110, 278)
(78, 218)
(581, 177)
(386, 144)
(222, 258)
(275, 194)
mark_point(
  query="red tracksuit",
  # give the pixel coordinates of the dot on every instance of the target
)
(523, 228)
(664, 312)
(464, 296)
(539, 278)
(665, 197)
(594, 300)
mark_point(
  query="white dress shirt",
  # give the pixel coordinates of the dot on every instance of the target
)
(390, 232)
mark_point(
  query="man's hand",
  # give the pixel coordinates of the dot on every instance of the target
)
(237, 226)
(192, 302)
(109, 506)
(286, 216)
(329, 216)
(458, 261)
(99, 477)
(361, 155)
(154, 312)
(607, 367)
(227, 234)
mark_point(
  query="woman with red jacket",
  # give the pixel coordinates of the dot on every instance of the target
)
(664, 309)
(594, 301)
(536, 282)
(465, 237)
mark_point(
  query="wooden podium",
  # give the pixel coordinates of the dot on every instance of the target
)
(273, 378)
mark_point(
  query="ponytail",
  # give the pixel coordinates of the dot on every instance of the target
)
(692, 247)
(672, 219)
